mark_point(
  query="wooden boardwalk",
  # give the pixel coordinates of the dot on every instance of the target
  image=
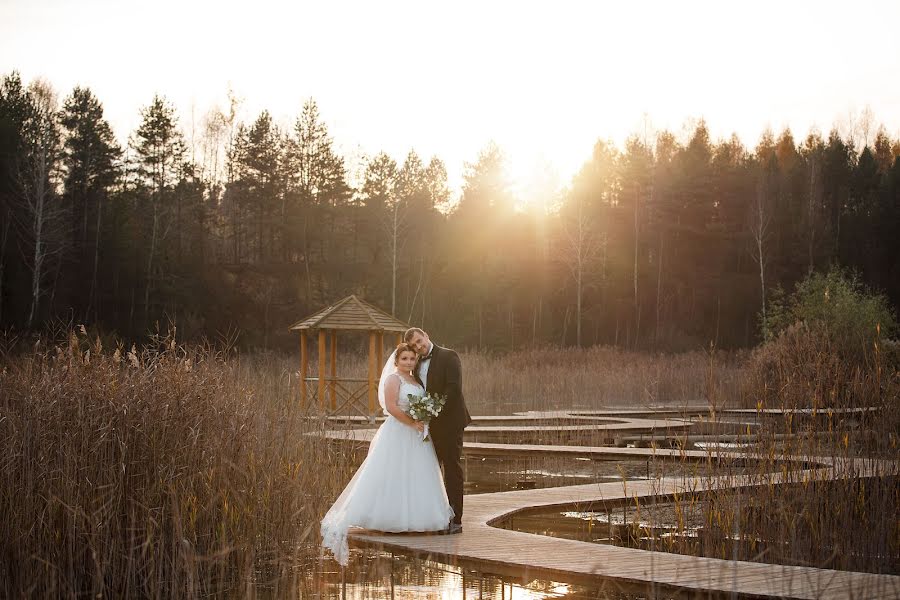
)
(550, 418)
(623, 425)
(531, 556)
(613, 425)
(538, 556)
(588, 415)
(364, 436)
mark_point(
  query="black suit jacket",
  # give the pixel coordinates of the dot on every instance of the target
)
(445, 377)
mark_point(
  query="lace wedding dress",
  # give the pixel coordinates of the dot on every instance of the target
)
(398, 488)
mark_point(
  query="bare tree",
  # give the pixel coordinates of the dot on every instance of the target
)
(659, 271)
(636, 166)
(395, 225)
(865, 124)
(760, 225)
(434, 193)
(38, 175)
(580, 246)
(4, 236)
(212, 146)
(813, 208)
(637, 250)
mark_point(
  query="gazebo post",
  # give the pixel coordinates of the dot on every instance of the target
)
(333, 368)
(380, 361)
(373, 386)
(304, 359)
(399, 338)
(322, 351)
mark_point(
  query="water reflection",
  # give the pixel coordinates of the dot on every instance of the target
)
(485, 474)
(656, 526)
(731, 525)
(382, 575)
(500, 474)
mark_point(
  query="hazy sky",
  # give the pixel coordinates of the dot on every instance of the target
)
(544, 80)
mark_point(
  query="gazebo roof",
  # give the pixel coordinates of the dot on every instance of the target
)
(351, 313)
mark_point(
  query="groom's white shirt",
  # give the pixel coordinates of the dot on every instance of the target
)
(423, 368)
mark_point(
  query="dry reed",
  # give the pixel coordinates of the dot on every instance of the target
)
(155, 472)
(170, 471)
(814, 405)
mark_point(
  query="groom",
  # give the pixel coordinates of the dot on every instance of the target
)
(441, 373)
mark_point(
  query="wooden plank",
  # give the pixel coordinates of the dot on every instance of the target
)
(321, 388)
(304, 360)
(333, 369)
(380, 362)
(373, 382)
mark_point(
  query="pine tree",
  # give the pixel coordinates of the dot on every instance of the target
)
(318, 181)
(14, 110)
(385, 215)
(160, 154)
(260, 180)
(90, 160)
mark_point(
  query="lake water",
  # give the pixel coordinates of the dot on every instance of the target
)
(381, 575)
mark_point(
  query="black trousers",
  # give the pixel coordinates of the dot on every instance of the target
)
(448, 447)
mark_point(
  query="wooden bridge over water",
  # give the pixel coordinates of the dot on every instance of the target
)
(531, 556)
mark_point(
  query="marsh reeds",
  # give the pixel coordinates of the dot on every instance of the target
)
(160, 471)
(173, 471)
(824, 487)
(554, 378)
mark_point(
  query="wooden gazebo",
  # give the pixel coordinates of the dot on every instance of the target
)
(350, 314)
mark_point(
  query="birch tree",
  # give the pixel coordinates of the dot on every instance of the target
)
(760, 222)
(39, 181)
(581, 245)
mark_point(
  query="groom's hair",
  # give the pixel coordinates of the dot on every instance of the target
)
(411, 332)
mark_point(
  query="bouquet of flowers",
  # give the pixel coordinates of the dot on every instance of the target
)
(424, 408)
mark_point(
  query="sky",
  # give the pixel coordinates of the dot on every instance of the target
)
(543, 80)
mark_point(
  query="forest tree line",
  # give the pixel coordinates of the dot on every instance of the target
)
(669, 243)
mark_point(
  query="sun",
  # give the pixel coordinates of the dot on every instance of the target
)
(535, 182)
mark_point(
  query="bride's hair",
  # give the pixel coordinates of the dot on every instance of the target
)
(401, 348)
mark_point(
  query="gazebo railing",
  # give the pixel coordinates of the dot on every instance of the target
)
(351, 314)
(343, 396)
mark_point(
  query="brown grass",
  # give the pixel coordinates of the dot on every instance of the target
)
(170, 471)
(565, 378)
(155, 472)
(849, 521)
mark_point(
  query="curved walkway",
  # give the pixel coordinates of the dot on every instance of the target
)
(546, 557)
(538, 556)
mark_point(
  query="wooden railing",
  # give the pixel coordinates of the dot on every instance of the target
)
(343, 396)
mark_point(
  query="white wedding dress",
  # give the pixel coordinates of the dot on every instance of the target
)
(399, 486)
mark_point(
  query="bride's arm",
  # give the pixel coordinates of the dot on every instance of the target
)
(391, 395)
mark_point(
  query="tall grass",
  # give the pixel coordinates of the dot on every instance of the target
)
(160, 471)
(171, 471)
(773, 506)
(845, 519)
(589, 378)
(553, 378)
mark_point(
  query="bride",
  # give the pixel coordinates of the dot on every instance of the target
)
(399, 486)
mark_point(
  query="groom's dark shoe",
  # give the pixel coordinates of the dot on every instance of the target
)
(453, 528)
